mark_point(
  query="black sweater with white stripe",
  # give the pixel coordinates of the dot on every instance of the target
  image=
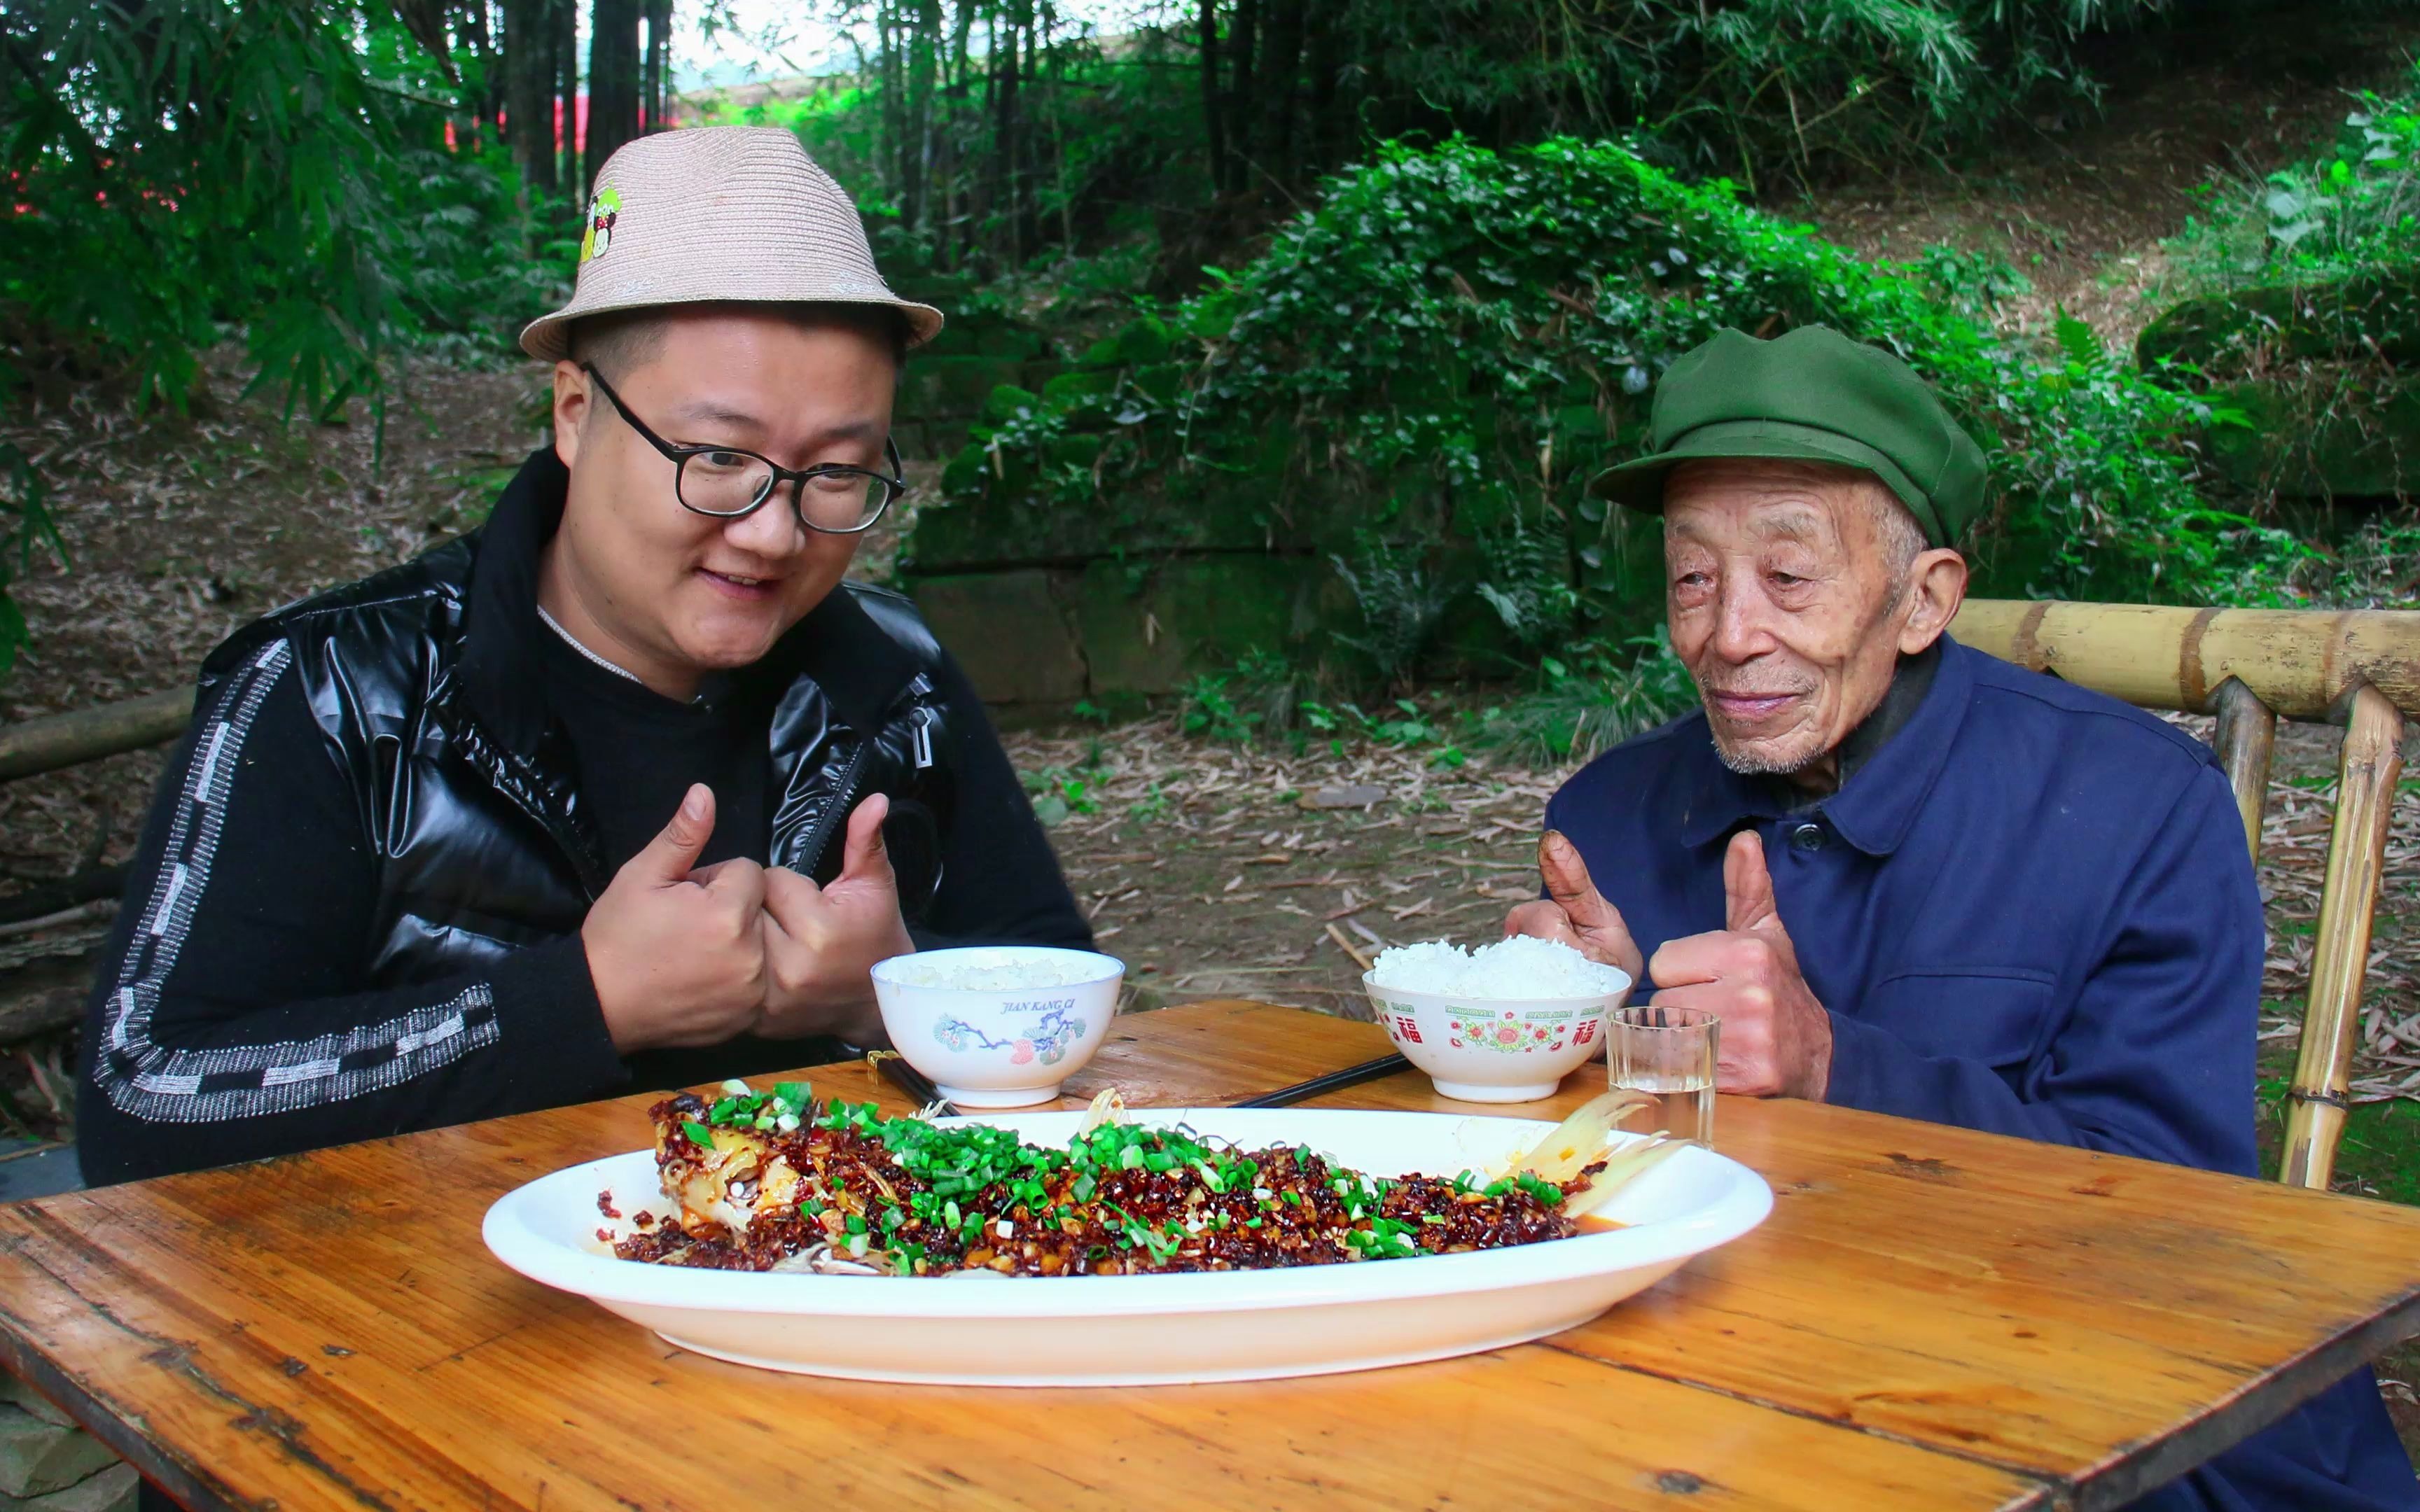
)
(252, 902)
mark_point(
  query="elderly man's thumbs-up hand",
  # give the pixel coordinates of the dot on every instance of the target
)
(1574, 912)
(1776, 1039)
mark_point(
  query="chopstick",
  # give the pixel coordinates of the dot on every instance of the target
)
(1369, 1071)
(895, 1070)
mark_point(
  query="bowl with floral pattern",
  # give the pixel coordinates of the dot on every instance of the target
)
(1497, 1049)
(998, 1026)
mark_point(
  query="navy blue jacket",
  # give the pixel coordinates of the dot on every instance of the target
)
(2029, 911)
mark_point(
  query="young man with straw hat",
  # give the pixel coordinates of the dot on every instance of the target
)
(626, 788)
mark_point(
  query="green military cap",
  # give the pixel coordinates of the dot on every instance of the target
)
(1813, 395)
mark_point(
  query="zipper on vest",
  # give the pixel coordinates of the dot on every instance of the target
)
(920, 741)
(920, 736)
(832, 817)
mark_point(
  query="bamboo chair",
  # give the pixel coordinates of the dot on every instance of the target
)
(2251, 668)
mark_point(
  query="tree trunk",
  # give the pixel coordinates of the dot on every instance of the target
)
(1055, 104)
(567, 85)
(921, 39)
(612, 79)
(658, 93)
(1242, 36)
(1214, 135)
(891, 151)
(1318, 132)
(957, 196)
(473, 30)
(529, 94)
(1004, 195)
(651, 83)
(1281, 85)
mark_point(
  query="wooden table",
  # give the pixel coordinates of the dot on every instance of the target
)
(1931, 1318)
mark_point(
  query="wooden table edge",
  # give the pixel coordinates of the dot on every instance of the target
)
(194, 1489)
(117, 1428)
(2121, 1477)
(2127, 1475)
(2143, 1468)
(2048, 1485)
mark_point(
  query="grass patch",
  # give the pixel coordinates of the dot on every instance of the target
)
(2379, 1156)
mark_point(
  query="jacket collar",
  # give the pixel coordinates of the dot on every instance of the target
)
(498, 664)
(838, 645)
(857, 667)
(1876, 807)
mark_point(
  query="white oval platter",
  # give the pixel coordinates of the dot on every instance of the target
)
(1146, 1329)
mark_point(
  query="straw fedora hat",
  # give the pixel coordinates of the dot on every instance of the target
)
(715, 213)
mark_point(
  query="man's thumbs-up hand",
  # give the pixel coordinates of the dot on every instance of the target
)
(820, 943)
(1747, 888)
(1776, 1039)
(1573, 911)
(676, 951)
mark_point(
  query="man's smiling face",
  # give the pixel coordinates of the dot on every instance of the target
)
(670, 593)
(1785, 587)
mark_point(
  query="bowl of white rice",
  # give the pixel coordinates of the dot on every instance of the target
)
(1505, 1022)
(998, 1026)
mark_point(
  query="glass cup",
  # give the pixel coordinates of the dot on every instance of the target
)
(1667, 1053)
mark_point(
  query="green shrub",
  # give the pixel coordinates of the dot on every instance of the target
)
(2377, 566)
(26, 527)
(2301, 320)
(1587, 700)
(1761, 88)
(182, 172)
(2349, 209)
(1400, 599)
(1056, 793)
(191, 167)
(1455, 340)
(1206, 709)
(970, 167)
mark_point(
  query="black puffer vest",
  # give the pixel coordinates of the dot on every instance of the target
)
(428, 681)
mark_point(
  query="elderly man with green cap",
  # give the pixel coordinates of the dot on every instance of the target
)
(1907, 876)
(625, 789)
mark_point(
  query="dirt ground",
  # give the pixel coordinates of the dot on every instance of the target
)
(2079, 202)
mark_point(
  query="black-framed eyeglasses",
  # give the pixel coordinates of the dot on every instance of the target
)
(726, 482)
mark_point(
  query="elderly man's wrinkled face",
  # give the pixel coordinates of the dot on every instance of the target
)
(1792, 589)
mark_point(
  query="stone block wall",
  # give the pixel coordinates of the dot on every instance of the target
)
(948, 380)
(49, 1464)
(1053, 635)
(1177, 561)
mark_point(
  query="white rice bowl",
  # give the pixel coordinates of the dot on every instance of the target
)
(1505, 1022)
(1521, 965)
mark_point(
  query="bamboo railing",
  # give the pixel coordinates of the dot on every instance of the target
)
(2251, 668)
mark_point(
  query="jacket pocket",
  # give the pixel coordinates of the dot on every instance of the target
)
(1999, 1015)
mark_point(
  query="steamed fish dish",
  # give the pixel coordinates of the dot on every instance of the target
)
(769, 1182)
